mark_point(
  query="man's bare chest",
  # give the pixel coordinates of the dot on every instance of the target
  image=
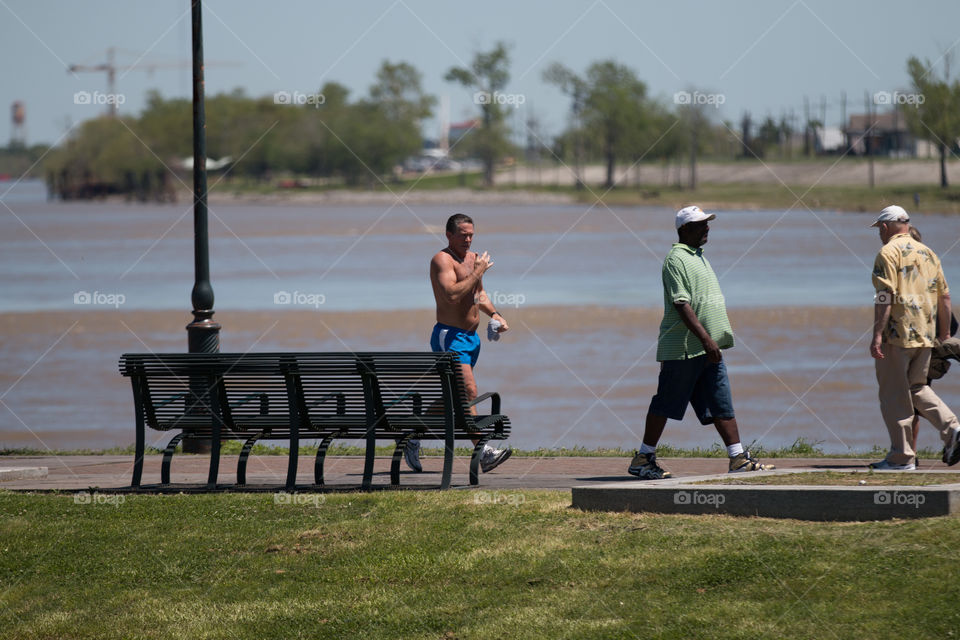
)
(465, 268)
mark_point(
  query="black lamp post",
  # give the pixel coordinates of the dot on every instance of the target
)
(203, 334)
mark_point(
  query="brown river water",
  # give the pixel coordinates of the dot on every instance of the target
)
(580, 287)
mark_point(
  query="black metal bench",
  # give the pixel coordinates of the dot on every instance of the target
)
(292, 396)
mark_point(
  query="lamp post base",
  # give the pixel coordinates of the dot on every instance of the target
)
(203, 336)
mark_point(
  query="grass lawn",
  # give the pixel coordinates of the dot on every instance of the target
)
(850, 479)
(457, 564)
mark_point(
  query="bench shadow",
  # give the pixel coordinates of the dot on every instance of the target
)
(402, 473)
(838, 466)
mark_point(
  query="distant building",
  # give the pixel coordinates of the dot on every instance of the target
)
(460, 129)
(883, 134)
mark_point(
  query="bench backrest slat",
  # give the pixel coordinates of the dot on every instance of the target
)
(180, 389)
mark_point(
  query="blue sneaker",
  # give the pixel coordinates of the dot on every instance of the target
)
(886, 465)
(411, 455)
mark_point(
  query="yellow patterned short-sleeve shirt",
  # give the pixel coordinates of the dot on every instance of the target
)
(908, 276)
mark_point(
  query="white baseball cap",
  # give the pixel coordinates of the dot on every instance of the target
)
(692, 214)
(893, 213)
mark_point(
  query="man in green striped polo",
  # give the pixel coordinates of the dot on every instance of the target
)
(694, 331)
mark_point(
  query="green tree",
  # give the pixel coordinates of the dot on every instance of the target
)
(938, 117)
(768, 136)
(576, 88)
(399, 93)
(322, 134)
(104, 153)
(694, 128)
(614, 112)
(395, 109)
(167, 126)
(487, 76)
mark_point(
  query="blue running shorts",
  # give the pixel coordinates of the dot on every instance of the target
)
(465, 344)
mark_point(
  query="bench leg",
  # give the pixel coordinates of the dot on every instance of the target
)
(368, 460)
(242, 463)
(475, 458)
(292, 461)
(397, 456)
(214, 461)
(167, 457)
(321, 456)
(138, 454)
(448, 451)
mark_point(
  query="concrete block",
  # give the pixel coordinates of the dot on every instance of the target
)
(797, 502)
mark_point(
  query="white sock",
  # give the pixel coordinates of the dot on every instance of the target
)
(734, 449)
(645, 448)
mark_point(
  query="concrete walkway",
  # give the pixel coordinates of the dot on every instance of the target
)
(72, 473)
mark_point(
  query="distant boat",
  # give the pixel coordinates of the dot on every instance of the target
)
(212, 165)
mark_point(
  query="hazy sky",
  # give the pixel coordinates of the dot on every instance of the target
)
(764, 56)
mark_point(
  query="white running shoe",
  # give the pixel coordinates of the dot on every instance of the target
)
(492, 458)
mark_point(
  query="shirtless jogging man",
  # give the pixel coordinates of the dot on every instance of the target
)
(456, 274)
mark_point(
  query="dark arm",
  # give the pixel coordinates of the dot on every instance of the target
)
(693, 324)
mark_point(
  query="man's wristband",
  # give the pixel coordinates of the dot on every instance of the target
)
(495, 313)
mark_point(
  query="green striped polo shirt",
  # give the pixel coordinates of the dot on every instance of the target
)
(688, 277)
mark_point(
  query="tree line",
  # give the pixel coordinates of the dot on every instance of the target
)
(612, 118)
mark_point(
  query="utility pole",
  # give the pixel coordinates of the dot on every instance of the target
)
(866, 136)
(694, 126)
(745, 134)
(843, 118)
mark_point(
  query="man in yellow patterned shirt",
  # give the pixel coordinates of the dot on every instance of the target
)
(911, 312)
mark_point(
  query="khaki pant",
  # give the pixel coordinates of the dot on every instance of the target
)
(902, 378)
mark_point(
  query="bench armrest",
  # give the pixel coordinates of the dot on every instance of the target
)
(172, 398)
(495, 420)
(494, 403)
(341, 402)
(414, 395)
(264, 402)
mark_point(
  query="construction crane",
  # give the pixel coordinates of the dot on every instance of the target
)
(111, 68)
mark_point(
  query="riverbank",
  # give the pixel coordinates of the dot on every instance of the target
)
(740, 196)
